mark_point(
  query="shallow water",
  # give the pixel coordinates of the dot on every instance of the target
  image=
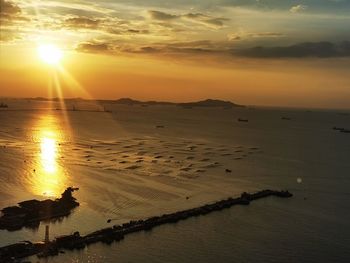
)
(127, 168)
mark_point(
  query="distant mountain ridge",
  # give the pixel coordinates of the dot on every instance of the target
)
(202, 103)
(129, 101)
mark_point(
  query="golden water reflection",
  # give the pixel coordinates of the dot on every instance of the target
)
(48, 156)
(49, 177)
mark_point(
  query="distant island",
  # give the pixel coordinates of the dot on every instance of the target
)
(202, 103)
(128, 101)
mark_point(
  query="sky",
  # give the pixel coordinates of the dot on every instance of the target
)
(255, 52)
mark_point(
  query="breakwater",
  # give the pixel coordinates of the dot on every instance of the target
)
(118, 232)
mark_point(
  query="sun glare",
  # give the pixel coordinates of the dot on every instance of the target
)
(49, 177)
(50, 54)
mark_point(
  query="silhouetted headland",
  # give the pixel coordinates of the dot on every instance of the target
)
(118, 232)
(31, 212)
(130, 102)
(203, 103)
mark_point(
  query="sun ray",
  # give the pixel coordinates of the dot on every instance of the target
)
(61, 98)
(73, 84)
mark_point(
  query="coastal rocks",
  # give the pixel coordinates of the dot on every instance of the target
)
(31, 212)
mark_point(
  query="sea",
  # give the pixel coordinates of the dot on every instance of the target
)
(132, 162)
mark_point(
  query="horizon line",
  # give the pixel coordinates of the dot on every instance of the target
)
(174, 102)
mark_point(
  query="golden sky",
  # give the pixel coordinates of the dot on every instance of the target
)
(256, 52)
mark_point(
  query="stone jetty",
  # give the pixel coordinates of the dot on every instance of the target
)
(118, 232)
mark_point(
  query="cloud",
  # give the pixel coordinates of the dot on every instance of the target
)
(124, 24)
(11, 21)
(200, 18)
(159, 49)
(81, 22)
(266, 34)
(301, 50)
(246, 35)
(205, 19)
(78, 8)
(112, 26)
(9, 9)
(218, 49)
(9, 12)
(158, 15)
(93, 47)
(146, 50)
(298, 8)
(8, 35)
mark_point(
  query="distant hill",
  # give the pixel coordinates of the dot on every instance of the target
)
(203, 103)
(210, 103)
(129, 101)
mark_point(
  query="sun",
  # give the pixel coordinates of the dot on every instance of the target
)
(50, 54)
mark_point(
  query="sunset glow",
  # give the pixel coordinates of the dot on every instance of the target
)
(271, 53)
(117, 117)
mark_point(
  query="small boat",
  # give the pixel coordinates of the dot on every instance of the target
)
(106, 110)
(243, 120)
(286, 118)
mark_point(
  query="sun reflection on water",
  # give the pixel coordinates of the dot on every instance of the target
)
(48, 148)
(48, 177)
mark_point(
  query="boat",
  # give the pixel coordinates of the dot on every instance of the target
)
(343, 130)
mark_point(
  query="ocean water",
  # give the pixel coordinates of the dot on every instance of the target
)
(127, 168)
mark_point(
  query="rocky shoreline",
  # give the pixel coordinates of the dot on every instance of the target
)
(14, 252)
